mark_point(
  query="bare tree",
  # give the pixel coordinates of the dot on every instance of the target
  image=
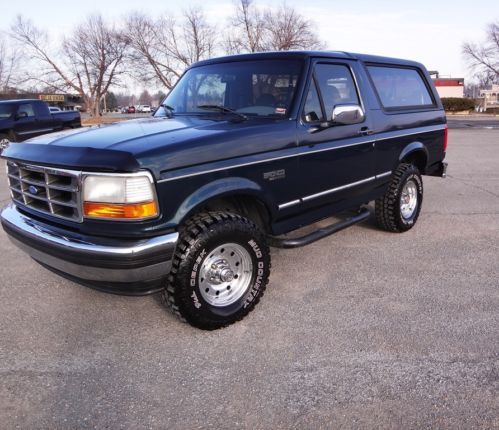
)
(9, 63)
(166, 46)
(248, 29)
(277, 29)
(286, 29)
(484, 58)
(145, 98)
(91, 61)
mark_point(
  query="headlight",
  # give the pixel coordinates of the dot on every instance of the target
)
(119, 196)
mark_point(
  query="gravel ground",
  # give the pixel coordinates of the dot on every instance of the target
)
(363, 329)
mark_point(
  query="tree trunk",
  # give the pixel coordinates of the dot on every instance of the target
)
(93, 107)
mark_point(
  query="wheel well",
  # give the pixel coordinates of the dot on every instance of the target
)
(247, 206)
(417, 158)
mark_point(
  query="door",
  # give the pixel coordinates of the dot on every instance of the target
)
(46, 122)
(337, 165)
(25, 125)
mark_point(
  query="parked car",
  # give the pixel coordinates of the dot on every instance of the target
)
(130, 109)
(24, 119)
(188, 202)
(144, 109)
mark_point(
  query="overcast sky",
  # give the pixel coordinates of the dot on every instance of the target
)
(431, 32)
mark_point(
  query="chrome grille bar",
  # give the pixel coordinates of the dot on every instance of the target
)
(48, 190)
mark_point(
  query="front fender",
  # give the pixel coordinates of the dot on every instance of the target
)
(217, 189)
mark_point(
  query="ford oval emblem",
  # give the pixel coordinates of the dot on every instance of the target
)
(33, 190)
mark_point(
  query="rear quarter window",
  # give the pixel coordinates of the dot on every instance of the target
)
(400, 88)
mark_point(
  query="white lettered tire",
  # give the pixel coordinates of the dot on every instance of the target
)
(398, 209)
(219, 271)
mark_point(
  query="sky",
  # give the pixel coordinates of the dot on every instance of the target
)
(431, 32)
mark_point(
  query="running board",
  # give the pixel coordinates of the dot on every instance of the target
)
(277, 242)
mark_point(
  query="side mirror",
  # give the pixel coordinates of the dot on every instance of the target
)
(347, 114)
(20, 115)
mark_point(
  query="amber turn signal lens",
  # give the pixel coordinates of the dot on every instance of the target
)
(124, 211)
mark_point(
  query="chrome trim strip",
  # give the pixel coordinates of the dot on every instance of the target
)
(289, 204)
(382, 175)
(42, 130)
(300, 153)
(334, 190)
(433, 128)
(267, 160)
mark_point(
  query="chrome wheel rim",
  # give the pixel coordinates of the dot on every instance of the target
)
(225, 274)
(408, 199)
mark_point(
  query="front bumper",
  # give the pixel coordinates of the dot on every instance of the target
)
(120, 266)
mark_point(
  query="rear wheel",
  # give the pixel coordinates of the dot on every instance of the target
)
(219, 271)
(398, 209)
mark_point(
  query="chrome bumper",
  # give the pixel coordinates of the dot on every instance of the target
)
(116, 265)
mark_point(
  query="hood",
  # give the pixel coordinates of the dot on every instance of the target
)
(157, 144)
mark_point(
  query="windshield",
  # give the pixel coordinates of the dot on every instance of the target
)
(254, 88)
(6, 110)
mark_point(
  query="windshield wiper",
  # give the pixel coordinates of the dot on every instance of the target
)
(223, 109)
(168, 109)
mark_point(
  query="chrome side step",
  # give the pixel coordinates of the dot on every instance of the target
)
(320, 233)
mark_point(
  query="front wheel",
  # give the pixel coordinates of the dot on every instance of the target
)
(5, 141)
(398, 209)
(219, 271)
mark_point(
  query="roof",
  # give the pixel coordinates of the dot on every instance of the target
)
(302, 55)
(19, 101)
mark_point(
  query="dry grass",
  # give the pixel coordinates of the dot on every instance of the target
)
(101, 120)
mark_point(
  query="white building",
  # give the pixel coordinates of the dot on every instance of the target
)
(489, 97)
(449, 87)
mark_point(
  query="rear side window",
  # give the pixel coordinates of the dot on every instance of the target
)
(26, 108)
(400, 87)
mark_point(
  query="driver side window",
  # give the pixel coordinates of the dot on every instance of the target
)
(336, 87)
(313, 110)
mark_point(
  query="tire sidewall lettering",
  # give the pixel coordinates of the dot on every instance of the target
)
(193, 278)
(260, 274)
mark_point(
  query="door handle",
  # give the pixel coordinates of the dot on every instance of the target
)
(365, 131)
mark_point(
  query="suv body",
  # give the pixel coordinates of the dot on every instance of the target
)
(268, 143)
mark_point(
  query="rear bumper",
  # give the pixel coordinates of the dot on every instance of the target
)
(121, 266)
(438, 169)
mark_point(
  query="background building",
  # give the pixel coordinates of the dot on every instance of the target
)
(63, 101)
(489, 99)
(448, 87)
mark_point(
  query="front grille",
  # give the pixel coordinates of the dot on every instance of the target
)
(52, 191)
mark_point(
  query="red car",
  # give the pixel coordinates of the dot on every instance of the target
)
(131, 109)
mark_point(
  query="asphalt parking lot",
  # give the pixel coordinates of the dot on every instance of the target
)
(363, 329)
